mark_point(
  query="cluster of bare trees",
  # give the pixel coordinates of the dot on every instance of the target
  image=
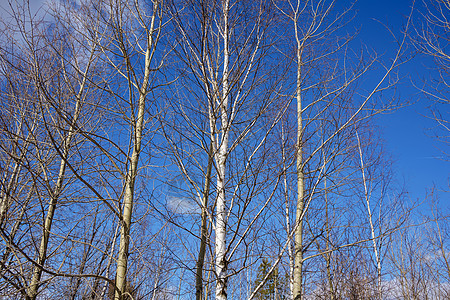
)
(206, 149)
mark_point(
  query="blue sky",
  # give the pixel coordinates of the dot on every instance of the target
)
(406, 132)
(415, 153)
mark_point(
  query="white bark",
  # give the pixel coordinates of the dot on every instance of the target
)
(299, 215)
(221, 213)
(287, 216)
(370, 217)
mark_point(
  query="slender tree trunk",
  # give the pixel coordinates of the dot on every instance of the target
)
(42, 256)
(6, 196)
(122, 261)
(106, 284)
(203, 229)
(298, 236)
(221, 222)
(287, 215)
(328, 249)
(370, 217)
(32, 289)
(14, 230)
(136, 136)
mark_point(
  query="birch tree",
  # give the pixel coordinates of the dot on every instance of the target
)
(317, 95)
(222, 45)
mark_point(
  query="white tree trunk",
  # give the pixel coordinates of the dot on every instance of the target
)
(288, 222)
(370, 218)
(221, 214)
(298, 236)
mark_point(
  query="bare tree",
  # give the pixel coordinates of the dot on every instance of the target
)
(126, 34)
(226, 114)
(62, 66)
(56, 90)
(319, 96)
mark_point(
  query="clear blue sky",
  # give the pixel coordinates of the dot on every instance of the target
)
(407, 138)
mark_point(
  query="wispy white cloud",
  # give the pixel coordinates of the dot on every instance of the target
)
(181, 205)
